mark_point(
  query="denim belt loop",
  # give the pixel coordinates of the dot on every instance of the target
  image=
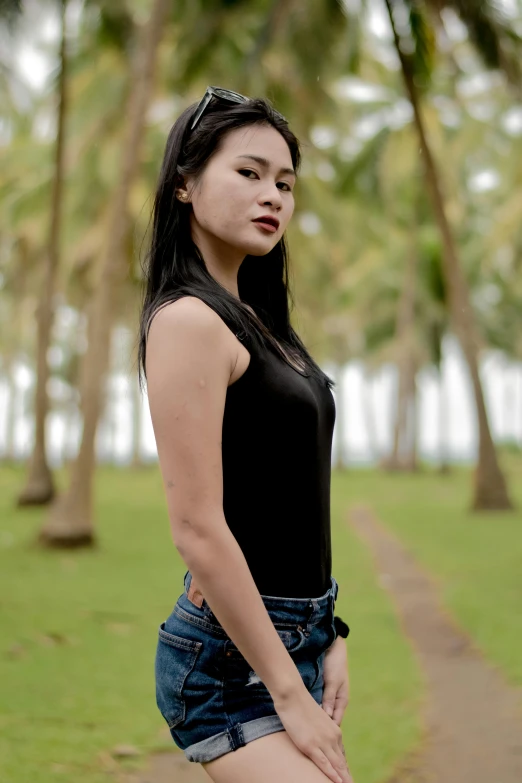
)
(314, 614)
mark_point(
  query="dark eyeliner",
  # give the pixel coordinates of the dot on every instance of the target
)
(251, 171)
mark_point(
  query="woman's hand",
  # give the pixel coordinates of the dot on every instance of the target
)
(315, 734)
(336, 693)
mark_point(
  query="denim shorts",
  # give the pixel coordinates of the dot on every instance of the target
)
(208, 694)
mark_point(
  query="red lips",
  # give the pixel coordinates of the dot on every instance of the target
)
(270, 219)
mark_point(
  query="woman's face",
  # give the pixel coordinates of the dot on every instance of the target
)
(249, 177)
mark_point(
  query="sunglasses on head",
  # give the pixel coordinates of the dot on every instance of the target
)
(224, 95)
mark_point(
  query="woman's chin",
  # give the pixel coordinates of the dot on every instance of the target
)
(258, 248)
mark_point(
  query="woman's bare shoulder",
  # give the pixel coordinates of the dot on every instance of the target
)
(187, 312)
(190, 334)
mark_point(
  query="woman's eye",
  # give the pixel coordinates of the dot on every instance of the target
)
(246, 172)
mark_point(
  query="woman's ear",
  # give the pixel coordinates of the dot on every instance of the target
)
(181, 192)
(184, 188)
(182, 195)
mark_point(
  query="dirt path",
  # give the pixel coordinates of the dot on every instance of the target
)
(473, 719)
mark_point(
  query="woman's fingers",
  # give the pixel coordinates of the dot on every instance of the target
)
(338, 762)
(339, 710)
(335, 769)
(343, 751)
(315, 734)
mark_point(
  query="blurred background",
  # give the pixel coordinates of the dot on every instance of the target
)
(406, 252)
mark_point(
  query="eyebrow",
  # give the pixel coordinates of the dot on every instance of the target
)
(264, 162)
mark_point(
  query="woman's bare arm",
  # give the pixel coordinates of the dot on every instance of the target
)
(191, 355)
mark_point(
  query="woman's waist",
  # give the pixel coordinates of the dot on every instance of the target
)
(283, 610)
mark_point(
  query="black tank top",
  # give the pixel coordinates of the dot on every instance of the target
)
(276, 446)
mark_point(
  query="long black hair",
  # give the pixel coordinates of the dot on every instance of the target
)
(174, 265)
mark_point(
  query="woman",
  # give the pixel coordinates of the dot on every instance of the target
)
(250, 660)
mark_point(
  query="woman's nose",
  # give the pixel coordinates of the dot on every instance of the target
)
(273, 198)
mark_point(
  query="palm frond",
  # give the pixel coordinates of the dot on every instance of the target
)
(492, 33)
(362, 169)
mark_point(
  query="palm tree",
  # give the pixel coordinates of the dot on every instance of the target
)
(403, 456)
(490, 490)
(70, 519)
(39, 488)
(14, 339)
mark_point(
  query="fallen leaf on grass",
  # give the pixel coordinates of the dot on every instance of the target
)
(53, 639)
(125, 751)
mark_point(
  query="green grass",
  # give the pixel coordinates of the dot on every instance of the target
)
(78, 637)
(476, 559)
(381, 723)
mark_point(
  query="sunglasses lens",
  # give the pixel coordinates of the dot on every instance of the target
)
(227, 95)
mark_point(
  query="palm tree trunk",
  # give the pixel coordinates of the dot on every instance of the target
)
(369, 416)
(490, 490)
(69, 444)
(404, 452)
(10, 407)
(70, 522)
(394, 460)
(39, 488)
(410, 459)
(406, 364)
(444, 467)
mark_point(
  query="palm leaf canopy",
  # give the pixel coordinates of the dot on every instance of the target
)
(489, 27)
